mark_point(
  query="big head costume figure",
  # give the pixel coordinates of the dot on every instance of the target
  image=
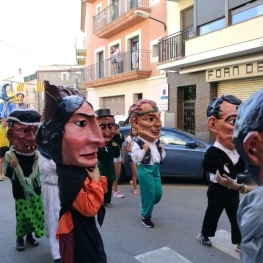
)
(71, 135)
(222, 157)
(106, 123)
(145, 118)
(248, 139)
(108, 152)
(147, 152)
(6, 104)
(248, 132)
(221, 114)
(21, 166)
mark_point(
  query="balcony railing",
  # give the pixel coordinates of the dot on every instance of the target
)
(126, 62)
(115, 10)
(173, 47)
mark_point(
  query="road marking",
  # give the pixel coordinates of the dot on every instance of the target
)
(162, 255)
(222, 241)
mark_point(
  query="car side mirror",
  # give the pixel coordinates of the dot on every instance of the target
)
(190, 144)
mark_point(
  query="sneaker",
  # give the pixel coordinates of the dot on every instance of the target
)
(204, 240)
(147, 222)
(118, 194)
(238, 248)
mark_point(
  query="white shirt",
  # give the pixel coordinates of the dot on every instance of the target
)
(137, 153)
(232, 154)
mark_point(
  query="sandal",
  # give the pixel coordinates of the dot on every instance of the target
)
(31, 241)
(20, 246)
(108, 204)
(136, 192)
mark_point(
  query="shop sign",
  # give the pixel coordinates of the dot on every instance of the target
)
(246, 70)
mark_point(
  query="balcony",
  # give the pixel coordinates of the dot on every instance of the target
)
(173, 47)
(118, 16)
(217, 46)
(88, 1)
(126, 69)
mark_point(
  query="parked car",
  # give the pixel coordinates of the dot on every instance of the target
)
(184, 155)
(120, 119)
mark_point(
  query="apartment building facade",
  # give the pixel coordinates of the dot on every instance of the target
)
(32, 82)
(114, 24)
(215, 48)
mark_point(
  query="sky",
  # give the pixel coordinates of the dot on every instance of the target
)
(44, 32)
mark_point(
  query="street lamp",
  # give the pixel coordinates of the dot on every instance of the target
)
(147, 15)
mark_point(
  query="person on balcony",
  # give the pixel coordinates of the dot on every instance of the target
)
(119, 58)
(134, 58)
(113, 60)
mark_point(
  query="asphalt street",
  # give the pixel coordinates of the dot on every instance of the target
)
(177, 218)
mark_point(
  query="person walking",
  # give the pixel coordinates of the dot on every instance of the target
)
(118, 137)
(148, 153)
(222, 156)
(71, 135)
(21, 167)
(108, 152)
(50, 197)
(4, 145)
(129, 141)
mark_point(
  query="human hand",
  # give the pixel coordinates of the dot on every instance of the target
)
(93, 174)
(226, 181)
(114, 144)
(160, 146)
(146, 147)
(14, 163)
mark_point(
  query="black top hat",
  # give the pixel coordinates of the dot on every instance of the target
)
(103, 113)
(24, 116)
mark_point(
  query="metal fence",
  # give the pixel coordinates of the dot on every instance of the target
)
(173, 47)
(115, 10)
(125, 62)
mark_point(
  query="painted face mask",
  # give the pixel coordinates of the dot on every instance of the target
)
(22, 131)
(146, 119)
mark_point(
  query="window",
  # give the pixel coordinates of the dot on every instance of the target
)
(98, 10)
(155, 50)
(175, 138)
(64, 76)
(246, 12)
(213, 26)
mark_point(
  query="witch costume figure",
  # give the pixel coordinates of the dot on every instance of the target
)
(71, 135)
(21, 166)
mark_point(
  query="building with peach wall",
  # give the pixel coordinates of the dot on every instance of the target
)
(115, 24)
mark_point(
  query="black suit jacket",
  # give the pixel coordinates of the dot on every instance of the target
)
(215, 159)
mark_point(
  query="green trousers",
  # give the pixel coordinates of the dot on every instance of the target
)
(150, 187)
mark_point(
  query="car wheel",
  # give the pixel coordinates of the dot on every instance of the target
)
(207, 177)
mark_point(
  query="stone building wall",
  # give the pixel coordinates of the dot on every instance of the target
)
(204, 93)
